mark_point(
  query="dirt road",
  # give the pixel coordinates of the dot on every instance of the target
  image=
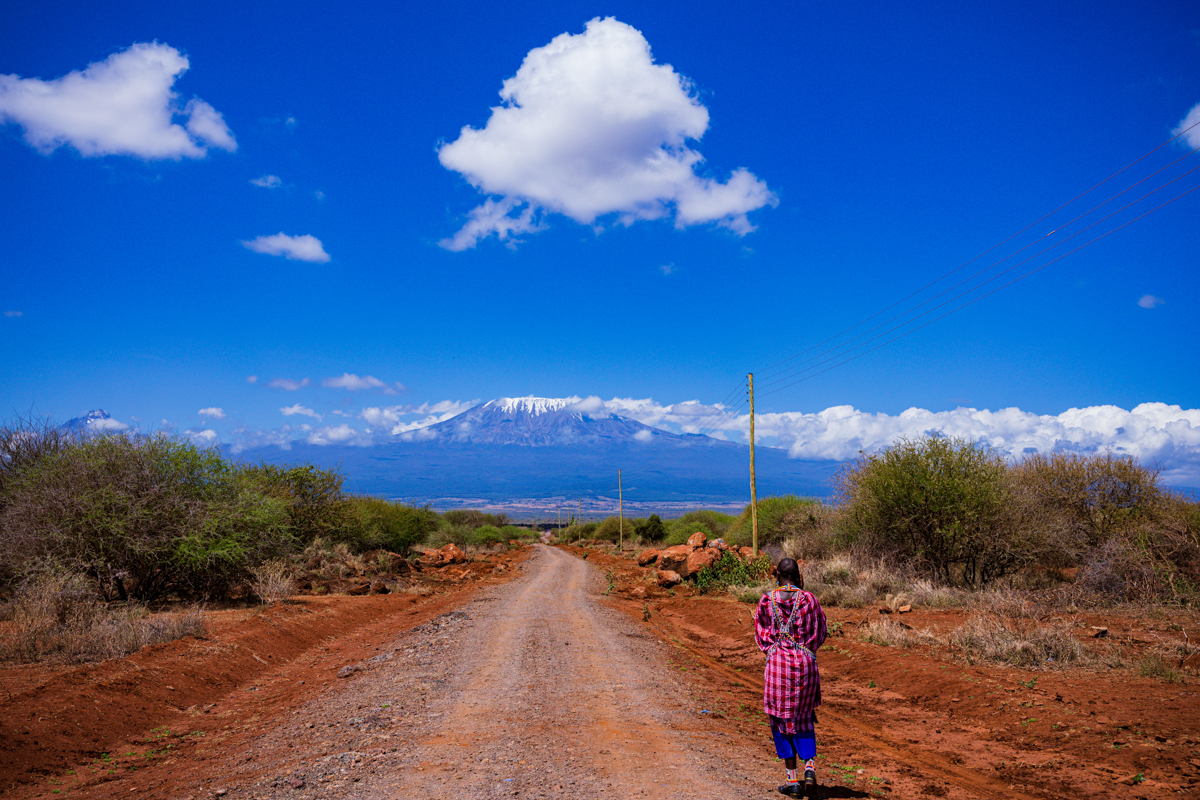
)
(534, 689)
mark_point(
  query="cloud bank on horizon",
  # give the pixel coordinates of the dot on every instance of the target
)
(591, 126)
(1167, 436)
(123, 105)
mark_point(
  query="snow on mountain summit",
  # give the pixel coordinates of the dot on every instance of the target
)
(531, 405)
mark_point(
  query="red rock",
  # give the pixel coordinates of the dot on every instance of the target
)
(668, 578)
(674, 558)
(699, 559)
(697, 539)
(746, 552)
(648, 557)
(363, 588)
(379, 587)
(638, 593)
(450, 554)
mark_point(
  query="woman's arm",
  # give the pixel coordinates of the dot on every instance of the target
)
(764, 635)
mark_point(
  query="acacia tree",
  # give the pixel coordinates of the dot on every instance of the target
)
(937, 503)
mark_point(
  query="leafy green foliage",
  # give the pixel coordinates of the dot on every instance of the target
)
(713, 524)
(938, 503)
(610, 528)
(652, 528)
(730, 570)
(777, 516)
(376, 522)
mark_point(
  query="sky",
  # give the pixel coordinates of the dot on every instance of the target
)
(255, 223)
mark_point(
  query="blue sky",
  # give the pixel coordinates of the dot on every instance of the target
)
(815, 163)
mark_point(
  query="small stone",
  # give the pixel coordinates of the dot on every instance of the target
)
(298, 784)
(220, 792)
(349, 669)
(904, 609)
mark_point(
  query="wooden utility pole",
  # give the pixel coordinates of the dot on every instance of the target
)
(621, 500)
(753, 487)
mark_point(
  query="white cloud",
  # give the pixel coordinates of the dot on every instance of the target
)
(299, 409)
(391, 417)
(591, 126)
(108, 424)
(353, 383)
(1150, 301)
(287, 384)
(339, 434)
(247, 439)
(319, 194)
(643, 436)
(1154, 433)
(268, 181)
(204, 437)
(214, 412)
(1192, 137)
(251, 379)
(668, 269)
(13, 314)
(295, 248)
(123, 105)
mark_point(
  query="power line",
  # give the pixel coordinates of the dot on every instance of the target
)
(720, 407)
(795, 369)
(768, 371)
(988, 294)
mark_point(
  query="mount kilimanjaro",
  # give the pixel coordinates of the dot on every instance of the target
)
(532, 447)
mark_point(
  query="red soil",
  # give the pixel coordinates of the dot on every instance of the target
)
(915, 722)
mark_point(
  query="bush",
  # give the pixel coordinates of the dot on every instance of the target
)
(652, 529)
(778, 517)
(313, 498)
(938, 503)
(731, 570)
(488, 536)
(610, 528)
(274, 581)
(144, 516)
(712, 524)
(377, 523)
(471, 518)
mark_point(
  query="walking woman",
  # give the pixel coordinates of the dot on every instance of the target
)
(789, 627)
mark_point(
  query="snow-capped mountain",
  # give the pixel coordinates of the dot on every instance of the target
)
(92, 422)
(545, 447)
(539, 422)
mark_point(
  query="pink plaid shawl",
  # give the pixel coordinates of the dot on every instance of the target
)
(789, 628)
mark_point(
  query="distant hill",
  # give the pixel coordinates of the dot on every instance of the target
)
(533, 447)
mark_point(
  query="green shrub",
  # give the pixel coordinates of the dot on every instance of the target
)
(712, 524)
(487, 536)
(316, 505)
(652, 529)
(731, 570)
(938, 503)
(377, 523)
(777, 517)
(471, 518)
(610, 529)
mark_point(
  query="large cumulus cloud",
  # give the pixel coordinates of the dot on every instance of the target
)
(591, 126)
(123, 105)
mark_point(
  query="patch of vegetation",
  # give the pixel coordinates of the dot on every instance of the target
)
(732, 570)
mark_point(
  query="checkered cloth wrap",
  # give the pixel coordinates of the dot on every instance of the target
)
(789, 627)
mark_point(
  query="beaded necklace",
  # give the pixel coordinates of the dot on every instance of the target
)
(785, 629)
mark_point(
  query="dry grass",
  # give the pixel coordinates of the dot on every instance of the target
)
(59, 617)
(274, 581)
(1019, 642)
(887, 633)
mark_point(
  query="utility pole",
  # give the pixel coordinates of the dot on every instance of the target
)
(753, 486)
(621, 500)
(579, 515)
